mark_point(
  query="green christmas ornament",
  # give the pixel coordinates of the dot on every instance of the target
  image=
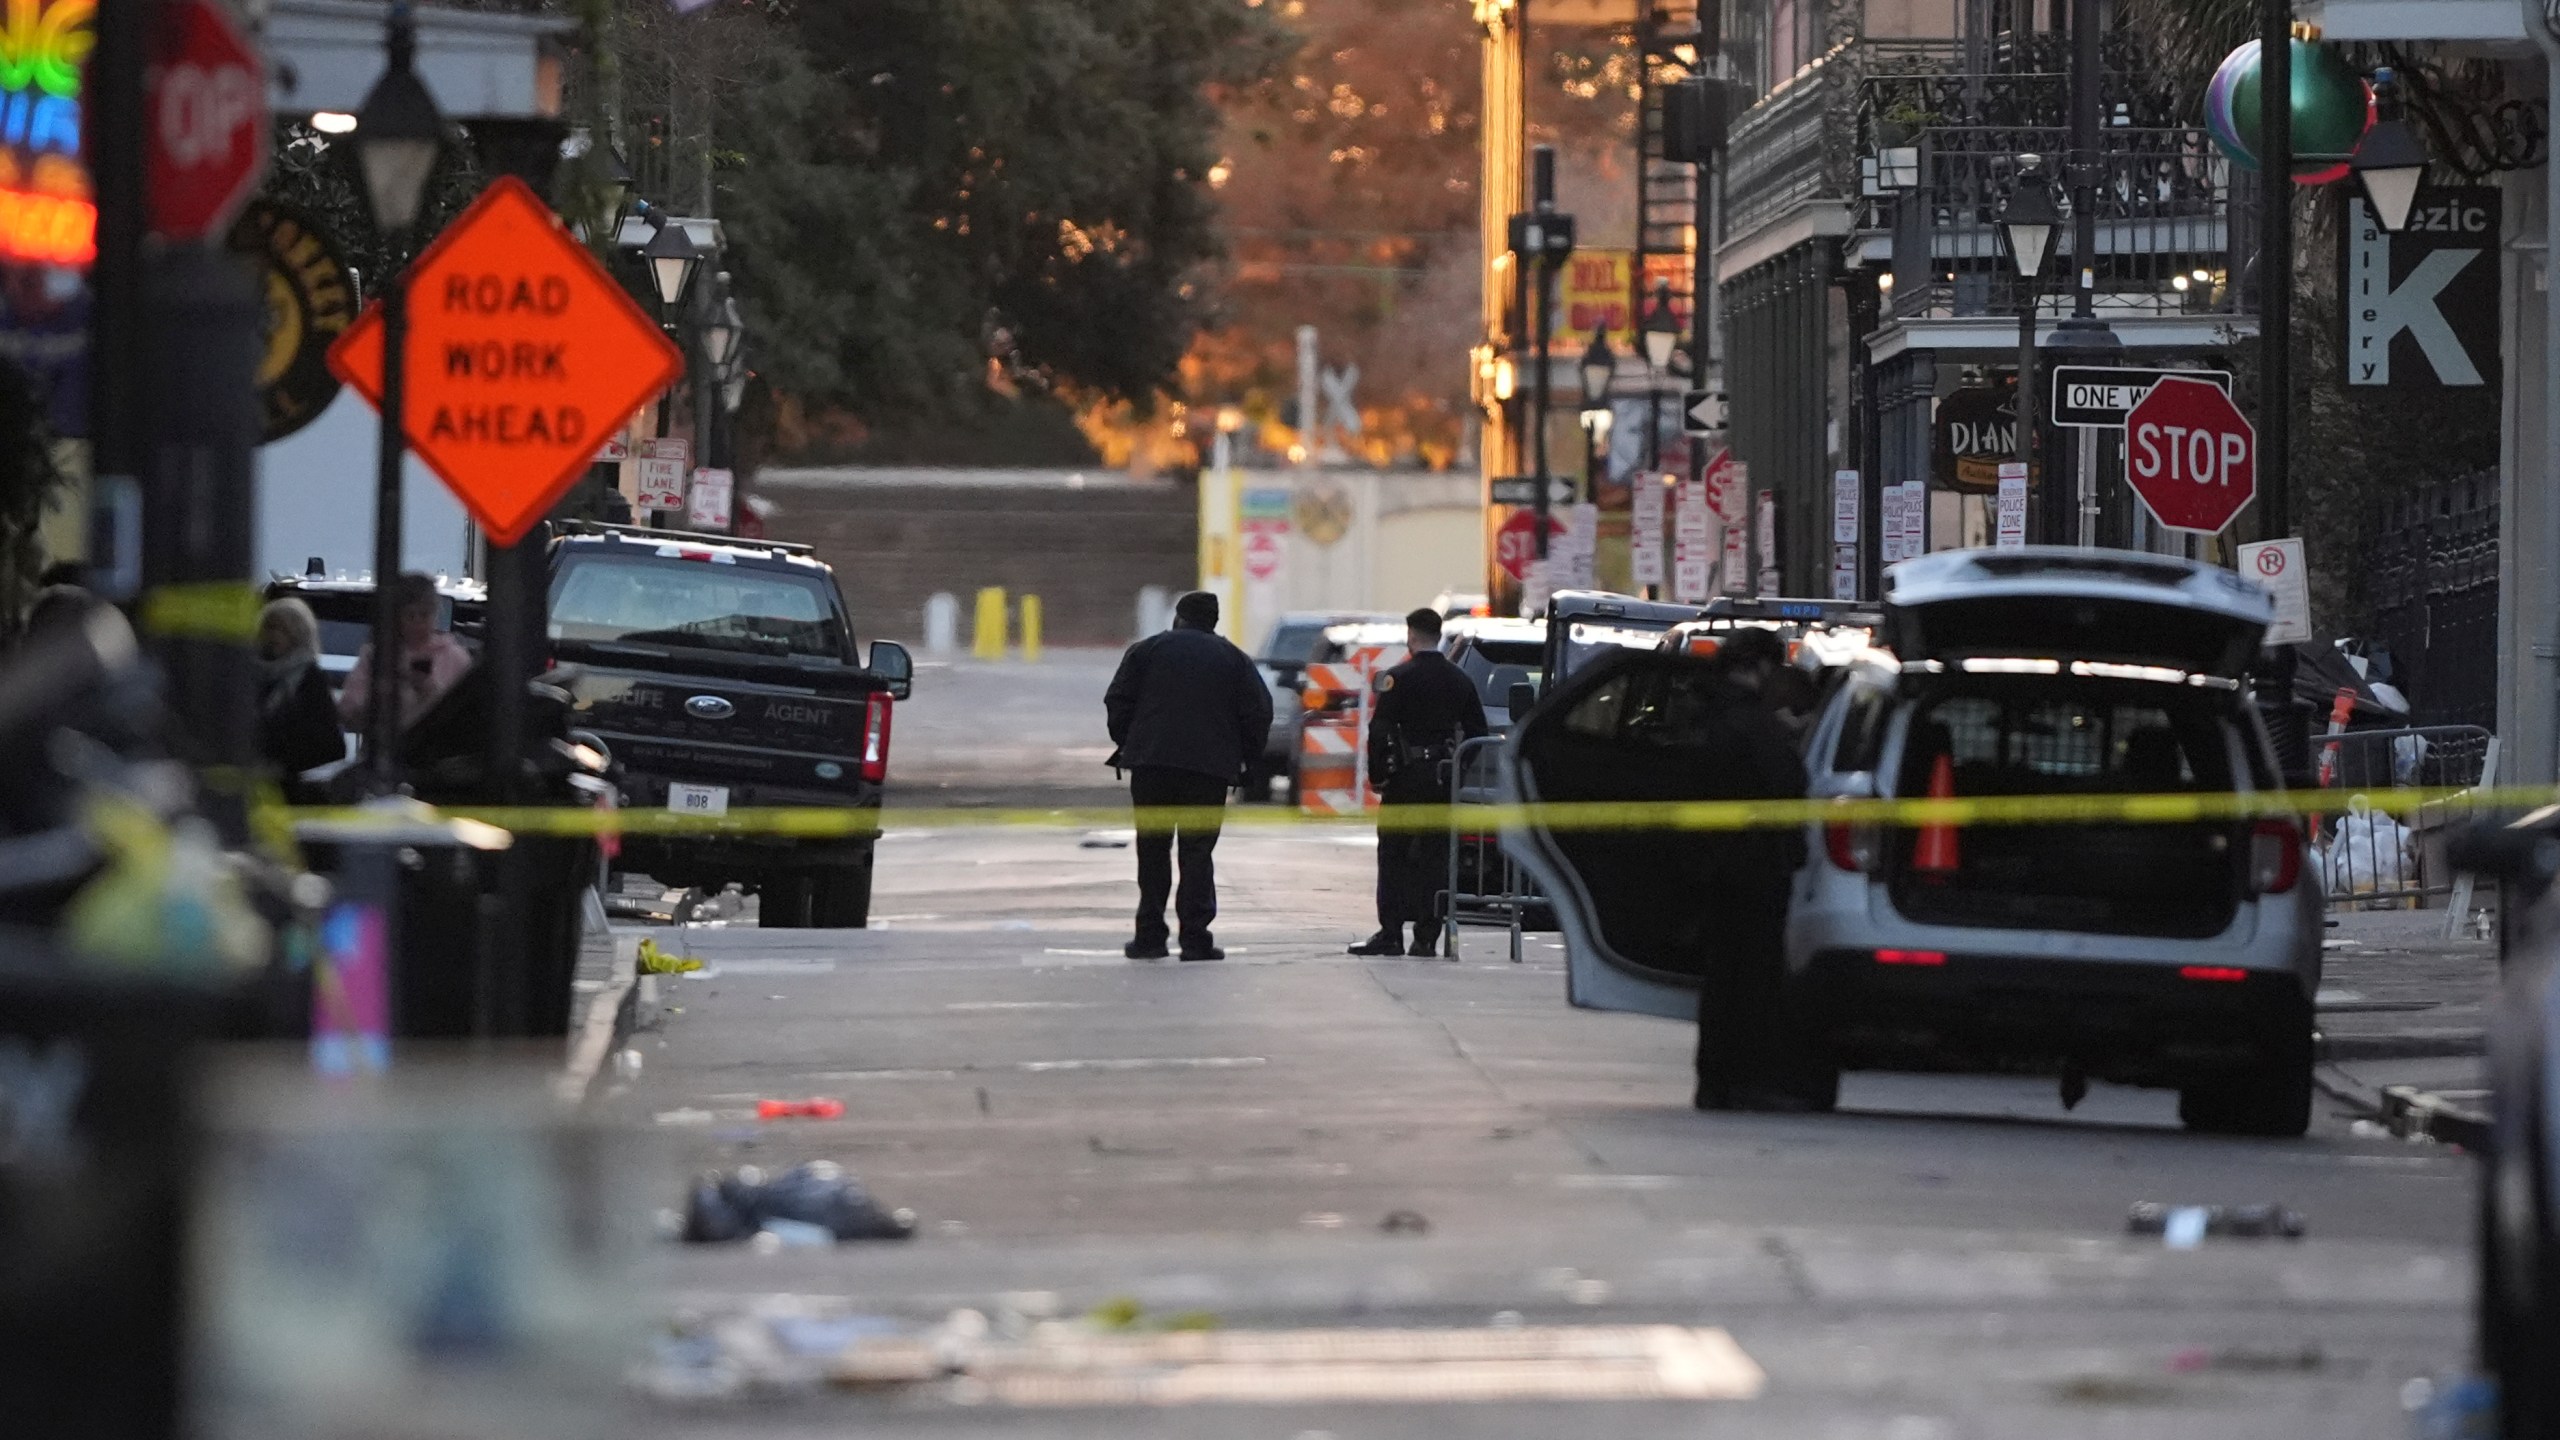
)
(2331, 108)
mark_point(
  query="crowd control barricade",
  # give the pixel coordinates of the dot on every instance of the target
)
(2369, 860)
(1486, 885)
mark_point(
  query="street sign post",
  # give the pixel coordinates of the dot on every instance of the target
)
(2191, 455)
(523, 356)
(1523, 490)
(206, 108)
(660, 482)
(2277, 564)
(2099, 396)
(1704, 412)
(2010, 533)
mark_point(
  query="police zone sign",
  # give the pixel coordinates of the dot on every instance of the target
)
(2422, 305)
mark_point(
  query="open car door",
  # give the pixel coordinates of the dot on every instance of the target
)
(1630, 903)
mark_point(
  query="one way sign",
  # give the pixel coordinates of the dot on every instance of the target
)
(1703, 412)
(2422, 305)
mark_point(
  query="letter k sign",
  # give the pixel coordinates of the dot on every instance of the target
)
(2377, 310)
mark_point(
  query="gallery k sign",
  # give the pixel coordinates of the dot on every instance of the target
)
(2422, 305)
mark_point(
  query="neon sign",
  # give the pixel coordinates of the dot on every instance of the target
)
(47, 215)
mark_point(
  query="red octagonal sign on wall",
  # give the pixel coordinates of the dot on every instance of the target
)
(206, 125)
(2190, 454)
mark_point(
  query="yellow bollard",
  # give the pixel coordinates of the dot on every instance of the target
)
(990, 639)
(1030, 627)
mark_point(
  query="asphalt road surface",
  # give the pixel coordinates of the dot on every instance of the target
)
(1227, 1142)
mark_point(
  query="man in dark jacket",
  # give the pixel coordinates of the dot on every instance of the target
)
(1424, 707)
(1187, 710)
(1747, 1051)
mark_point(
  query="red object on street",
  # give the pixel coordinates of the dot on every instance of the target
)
(819, 1108)
(207, 134)
(2190, 454)
(1515, 543)
(1936, 852)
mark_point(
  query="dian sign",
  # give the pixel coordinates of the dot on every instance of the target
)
(2190, 454)
(524, 356)
(207, 121)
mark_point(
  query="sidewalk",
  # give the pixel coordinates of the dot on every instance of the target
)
(2393, 988)
(2400, 1006)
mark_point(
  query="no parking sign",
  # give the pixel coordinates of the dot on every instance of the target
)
(2277, 564)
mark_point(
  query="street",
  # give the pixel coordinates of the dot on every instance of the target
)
(1228, 1143)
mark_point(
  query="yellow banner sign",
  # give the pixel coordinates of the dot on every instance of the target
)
(1596, 292)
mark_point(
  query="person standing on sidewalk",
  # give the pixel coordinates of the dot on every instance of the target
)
(1425, 707)
(1187, 711)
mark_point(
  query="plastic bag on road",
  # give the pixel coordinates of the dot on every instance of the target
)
(728, 1207)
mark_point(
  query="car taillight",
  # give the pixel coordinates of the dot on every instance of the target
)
(1911, 957)
(2275, 856)
(1851, 847)
(875, 736)
(2224, 974)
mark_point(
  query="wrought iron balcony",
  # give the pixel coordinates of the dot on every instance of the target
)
(2174, 222)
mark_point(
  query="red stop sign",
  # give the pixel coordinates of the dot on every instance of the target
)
(1514, 545)
(2190, 454)
(205, 123)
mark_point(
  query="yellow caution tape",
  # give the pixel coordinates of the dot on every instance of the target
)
(219, 610)
(823, 823)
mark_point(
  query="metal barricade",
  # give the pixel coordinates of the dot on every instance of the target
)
(2373, 861)
(1486, 885)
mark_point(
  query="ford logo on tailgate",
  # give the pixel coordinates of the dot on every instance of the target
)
(709, 707)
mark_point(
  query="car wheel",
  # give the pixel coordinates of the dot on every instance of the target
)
(2270, 1098)
(783, 903)
(840, 899)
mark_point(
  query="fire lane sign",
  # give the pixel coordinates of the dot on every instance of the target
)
(524, 356)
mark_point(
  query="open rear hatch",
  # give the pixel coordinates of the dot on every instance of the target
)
(2095, 608)
(1981, 735)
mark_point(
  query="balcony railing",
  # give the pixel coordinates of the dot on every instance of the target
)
(2167, 239)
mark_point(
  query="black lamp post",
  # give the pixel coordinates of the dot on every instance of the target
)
(2028, 219)
(398, 136)
(2391, 161)
(672, 258)
(1661, 342)
(1599, 368)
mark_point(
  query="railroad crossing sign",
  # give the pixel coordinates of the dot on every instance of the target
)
(1515, 545)
(2190, 454)
(207, 136)
(523, 356)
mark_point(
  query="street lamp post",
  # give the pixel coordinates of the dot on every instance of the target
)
(1599, 368)
(2028, 219)
(2390, 161)
(1661, 341)
(398, 136)
(672, 258)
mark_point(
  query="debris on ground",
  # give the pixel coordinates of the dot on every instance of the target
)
(2184, 1226)
(817, 1107)
(1405, 1222)
(815, 1203)
(656, 961)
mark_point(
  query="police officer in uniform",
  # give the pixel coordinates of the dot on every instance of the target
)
(1424, 707)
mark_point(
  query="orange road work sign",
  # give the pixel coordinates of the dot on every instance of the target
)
(524, 358)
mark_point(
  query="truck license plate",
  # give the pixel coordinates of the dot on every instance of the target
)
(698, 799)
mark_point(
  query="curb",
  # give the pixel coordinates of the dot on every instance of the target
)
(2404, 1045)
(609, 1021)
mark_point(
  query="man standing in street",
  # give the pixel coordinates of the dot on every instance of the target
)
(1187, 710)
(1424, 707)
(1747, 1055)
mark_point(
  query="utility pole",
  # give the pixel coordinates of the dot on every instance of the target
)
(1542, 182)
(117, 443)
(2275, 268)
(2081, 336)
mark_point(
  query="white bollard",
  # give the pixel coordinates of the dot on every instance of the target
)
(942, 624)
(1155, 610)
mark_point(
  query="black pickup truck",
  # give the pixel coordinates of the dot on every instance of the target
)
(722, 674)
